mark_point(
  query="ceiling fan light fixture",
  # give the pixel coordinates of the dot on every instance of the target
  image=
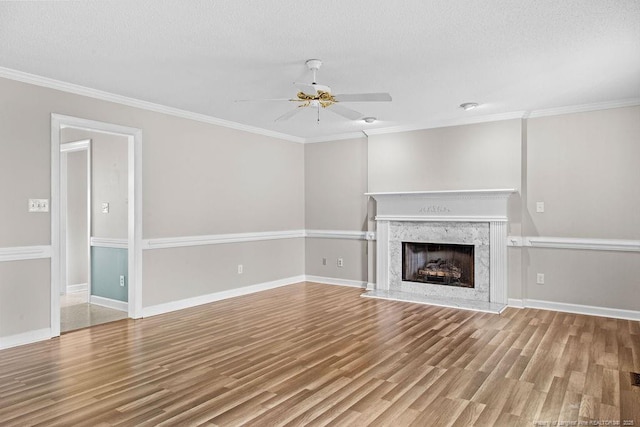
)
(318, 96)
(469, 106)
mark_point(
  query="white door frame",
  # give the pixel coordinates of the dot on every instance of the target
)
(134, 235)
(69, 147)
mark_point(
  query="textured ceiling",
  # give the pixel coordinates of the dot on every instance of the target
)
(430, 56)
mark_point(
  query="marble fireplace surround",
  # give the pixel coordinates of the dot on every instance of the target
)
(477, 217)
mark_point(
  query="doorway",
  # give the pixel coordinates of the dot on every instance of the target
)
(132, 263)
(81, 304)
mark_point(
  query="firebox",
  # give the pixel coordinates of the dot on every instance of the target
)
(438, 263)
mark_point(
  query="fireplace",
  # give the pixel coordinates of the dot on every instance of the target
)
(446, 248)
(438, 263)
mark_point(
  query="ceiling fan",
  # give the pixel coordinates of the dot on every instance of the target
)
(315, 95)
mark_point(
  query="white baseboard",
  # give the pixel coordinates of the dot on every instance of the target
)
(516, 303)
(25, 338)
(589, 310)
(334, 281)
(217, 296)
(80, 287)
(109, 303)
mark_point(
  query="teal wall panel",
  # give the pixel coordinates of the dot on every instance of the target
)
(107, 265)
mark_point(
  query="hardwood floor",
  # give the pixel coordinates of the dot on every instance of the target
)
(311, 354)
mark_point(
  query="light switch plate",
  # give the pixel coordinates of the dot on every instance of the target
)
(539, 207)
(105, 207)
(38, 205)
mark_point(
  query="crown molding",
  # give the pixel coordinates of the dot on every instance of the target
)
(557, 111)
(338, 137)
(50, 83)
(448, 123)
(620, 103)
(37, 80)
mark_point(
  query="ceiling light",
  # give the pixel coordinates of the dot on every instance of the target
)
(468, 106)
(369, 119)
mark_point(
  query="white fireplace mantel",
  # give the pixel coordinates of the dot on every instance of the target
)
(460, 205)
(464, 206)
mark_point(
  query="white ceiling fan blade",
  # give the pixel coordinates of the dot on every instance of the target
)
(363, 97)
(265, 99)
(288, 114)
(345, 111)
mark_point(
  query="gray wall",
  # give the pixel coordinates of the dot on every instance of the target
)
(213, 180)
(198, 179)
(201, 179)
(585, 168)
(477, 156)
(335, 183)
(23, 305)
(199, 270)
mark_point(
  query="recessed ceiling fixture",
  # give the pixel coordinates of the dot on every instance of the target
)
(369, 119)
(469, 106)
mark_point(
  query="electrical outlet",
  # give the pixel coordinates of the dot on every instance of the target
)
(540, 207)
(324, 261)
(122, 281)
(105, 207)
(340, 262)
(540, 279)
(240, 269)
